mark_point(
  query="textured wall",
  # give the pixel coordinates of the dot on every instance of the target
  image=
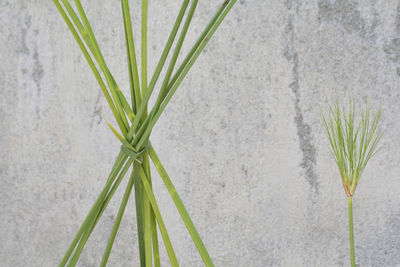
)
(241, 139)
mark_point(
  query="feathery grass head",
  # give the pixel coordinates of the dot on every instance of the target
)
(352, 142)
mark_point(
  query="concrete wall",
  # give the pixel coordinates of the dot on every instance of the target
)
(241, 139)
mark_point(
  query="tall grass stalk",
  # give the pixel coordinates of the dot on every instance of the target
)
(135, 123)
(352, 145)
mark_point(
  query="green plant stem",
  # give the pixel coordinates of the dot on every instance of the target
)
(89, 229)
(117, 223)
(198, 42)
(175, 55)
(156, 251)
(163, 229)
(100, 60)
(118, 165)
(144, 47)
(147, 229)
(107, 200)
(149, 220)
(88, 36)
(158, 69)
(93, 46)
(189, 60)
(134, 76)
(92, 66)
(174, 86)
(181, 209)
(139, 212)
(153, 225)
(94, 219)
(351, 233)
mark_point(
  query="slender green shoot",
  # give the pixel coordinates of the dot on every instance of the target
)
(352, 144)
(117, 223)
(134, 75)
(351, 233)
(181, 208)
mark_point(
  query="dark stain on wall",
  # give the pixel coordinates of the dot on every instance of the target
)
(304, 131)
(392, 48)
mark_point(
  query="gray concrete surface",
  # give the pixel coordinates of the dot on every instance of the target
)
(241, 139)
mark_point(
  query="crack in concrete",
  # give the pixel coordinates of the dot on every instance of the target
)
(304, 132)
(23, 49)
(37, 71)
(32, 70)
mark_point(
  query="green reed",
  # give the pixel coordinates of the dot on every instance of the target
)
(352, 145)
(135, 120)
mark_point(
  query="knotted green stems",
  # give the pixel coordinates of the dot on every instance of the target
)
(135, 125)
(352, 145)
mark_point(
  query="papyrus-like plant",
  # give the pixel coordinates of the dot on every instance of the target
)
(135, 123)
(352, 145)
